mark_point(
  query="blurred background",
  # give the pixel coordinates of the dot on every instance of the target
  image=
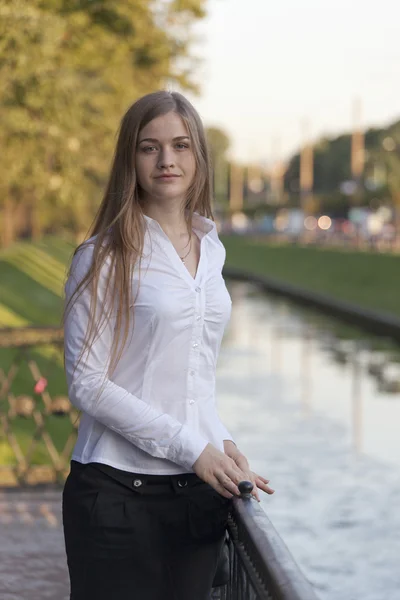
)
(301, 105)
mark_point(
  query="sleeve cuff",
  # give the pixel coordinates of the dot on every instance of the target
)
(229, 439)
(192, 445)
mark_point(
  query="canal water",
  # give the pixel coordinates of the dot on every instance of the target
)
(315, 407)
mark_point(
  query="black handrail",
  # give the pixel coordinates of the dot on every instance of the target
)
(262, 567)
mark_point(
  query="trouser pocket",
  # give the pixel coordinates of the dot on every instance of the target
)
(208, 515)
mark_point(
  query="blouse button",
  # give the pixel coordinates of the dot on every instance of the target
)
(191, 401)
(195, 345)
(198, 317)
(137, 482)
(192, 373)
(198, 289)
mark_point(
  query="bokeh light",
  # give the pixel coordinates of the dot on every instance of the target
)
(324, 223)
(310, 223)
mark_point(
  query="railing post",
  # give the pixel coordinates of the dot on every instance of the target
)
(245, 489)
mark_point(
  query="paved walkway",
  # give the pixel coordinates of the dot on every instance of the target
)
(32, 557)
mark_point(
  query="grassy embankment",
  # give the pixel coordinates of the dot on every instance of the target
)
(366, 279)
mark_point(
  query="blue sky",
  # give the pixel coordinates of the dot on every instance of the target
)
(269, 66)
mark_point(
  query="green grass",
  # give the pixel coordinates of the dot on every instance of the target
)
(31, 287)
(367, 279)
(31, 282)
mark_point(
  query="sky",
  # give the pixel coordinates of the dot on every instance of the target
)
(272, 70)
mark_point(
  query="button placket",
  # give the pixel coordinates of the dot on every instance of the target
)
(196, 330)
(199, 307)
(197, 326)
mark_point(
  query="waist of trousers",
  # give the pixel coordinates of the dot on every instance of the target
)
(146, 484)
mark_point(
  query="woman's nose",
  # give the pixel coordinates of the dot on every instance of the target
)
(165, 160)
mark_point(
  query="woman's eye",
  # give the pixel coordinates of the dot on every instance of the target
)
(151, 149)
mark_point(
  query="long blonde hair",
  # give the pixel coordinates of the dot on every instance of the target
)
(119, 223)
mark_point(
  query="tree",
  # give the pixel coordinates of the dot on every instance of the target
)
(69, 70)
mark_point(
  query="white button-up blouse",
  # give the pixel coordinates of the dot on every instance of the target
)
(157, 412)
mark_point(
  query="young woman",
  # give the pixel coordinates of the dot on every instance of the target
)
(154, 469)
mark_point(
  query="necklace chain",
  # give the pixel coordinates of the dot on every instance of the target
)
(183, 257)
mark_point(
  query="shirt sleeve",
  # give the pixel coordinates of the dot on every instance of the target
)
(92, 392)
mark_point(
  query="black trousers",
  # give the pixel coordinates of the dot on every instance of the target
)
(150, 537)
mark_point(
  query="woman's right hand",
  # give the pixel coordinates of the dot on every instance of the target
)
(219, 470)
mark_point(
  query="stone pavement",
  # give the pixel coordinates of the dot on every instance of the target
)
(32, 557)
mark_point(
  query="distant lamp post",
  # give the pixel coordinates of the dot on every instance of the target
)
(276, 173)
(306, 171)
(277, 182)
(236, 188)
(357, 146)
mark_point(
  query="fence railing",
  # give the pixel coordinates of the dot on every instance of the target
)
(261, 566)
(39, 431)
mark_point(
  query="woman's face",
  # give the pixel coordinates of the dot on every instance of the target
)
(165, 163)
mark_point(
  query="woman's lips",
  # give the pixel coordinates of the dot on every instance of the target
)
(167, 177)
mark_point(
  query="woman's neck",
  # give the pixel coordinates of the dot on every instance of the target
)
(171, 219)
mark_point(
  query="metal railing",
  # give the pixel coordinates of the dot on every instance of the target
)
(37, 430)
(260, 565)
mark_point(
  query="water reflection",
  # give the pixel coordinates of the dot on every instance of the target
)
(355, 380)
(315, 405)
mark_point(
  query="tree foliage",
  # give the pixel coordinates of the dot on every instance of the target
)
(332, 165)
(69, 69)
